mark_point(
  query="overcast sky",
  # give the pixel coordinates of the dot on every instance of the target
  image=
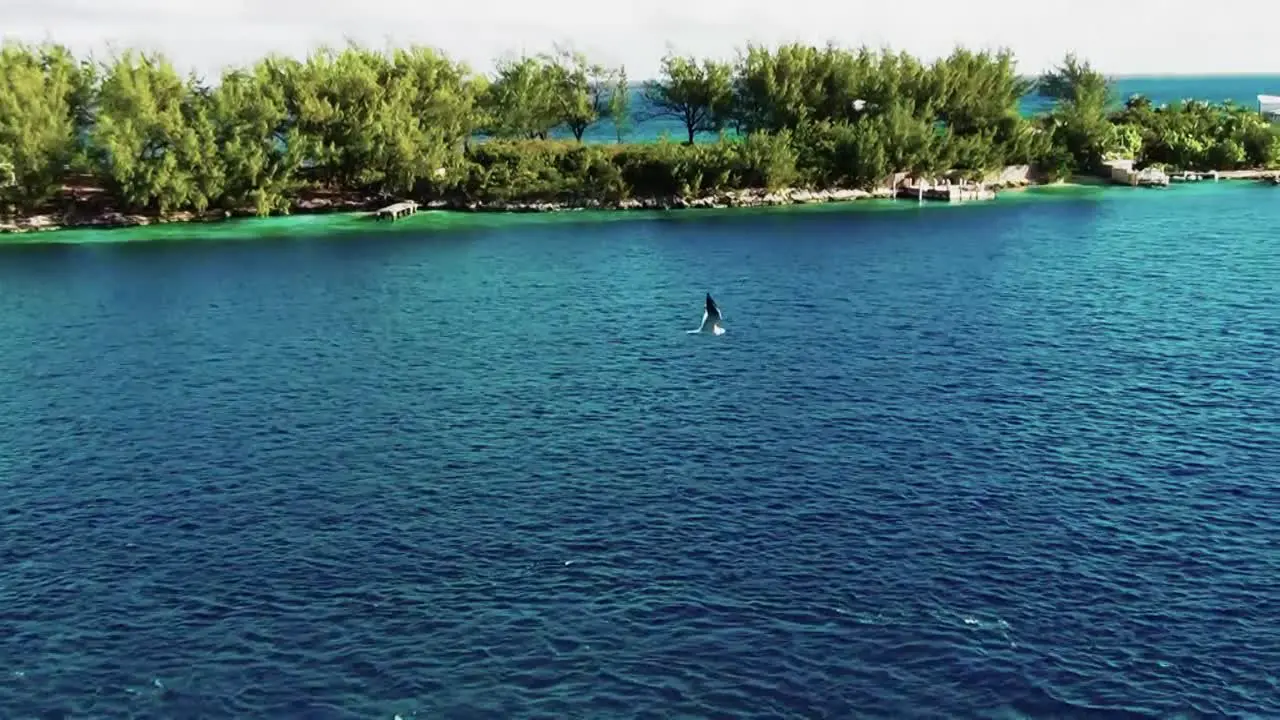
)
(1118, 36)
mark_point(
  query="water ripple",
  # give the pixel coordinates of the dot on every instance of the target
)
(985, 462)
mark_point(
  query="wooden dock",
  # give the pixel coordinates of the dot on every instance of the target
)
(396, 211)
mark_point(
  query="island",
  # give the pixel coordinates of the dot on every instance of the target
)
(131, 141)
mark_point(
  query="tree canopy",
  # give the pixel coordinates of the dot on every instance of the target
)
(699, 95)
(414, 123)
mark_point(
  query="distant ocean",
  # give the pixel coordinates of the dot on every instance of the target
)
(1241, 89)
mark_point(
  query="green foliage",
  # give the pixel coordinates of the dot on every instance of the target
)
(39, 92)
(1076, 83)
(259, 145)
(533, 95)
(543, 171)
(406, 123)
(767, 161)
(783, 89)
(522, 101)
(1201, 136)
(584, 91)
(902, 116)
(699, 95)
(663, 168)
(843, 154)
(1079, 122)
(513, 170)
(1187, 136)
(153, 138)
(620, 104)
(1125, 141)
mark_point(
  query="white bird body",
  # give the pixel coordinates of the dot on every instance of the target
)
(710, 319)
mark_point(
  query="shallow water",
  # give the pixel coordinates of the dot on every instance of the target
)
(1008, 460)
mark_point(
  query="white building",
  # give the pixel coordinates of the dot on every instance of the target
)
(1269, 105)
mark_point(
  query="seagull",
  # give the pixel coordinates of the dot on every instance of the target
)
(710, 319)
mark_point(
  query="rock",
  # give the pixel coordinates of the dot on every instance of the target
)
(847, 195)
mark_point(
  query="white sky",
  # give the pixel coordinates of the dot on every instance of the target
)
(1118, 36)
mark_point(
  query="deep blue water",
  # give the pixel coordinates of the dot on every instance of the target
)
(1015, 460)
(1240, 89)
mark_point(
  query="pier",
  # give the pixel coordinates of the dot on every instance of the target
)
(947, 193)
(1122, 172)
(1194, 176)
(396, 211)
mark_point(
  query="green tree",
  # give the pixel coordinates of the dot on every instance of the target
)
(1076, 82)
(259, 144)
(81, 77)
(1125, 141)
(153, 137)
(37, 121)
(1080, 124)
(699, 95)
(620, 105)
(776, 91)
(525, 100)
(336, 98)
(766, 160)
(583, 90)
(444, 97)
(368, 123)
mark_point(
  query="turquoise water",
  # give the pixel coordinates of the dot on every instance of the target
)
(1004, 460)
(1241, 89)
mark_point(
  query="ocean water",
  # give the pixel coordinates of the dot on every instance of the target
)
(1013, 460)
(1240, 89)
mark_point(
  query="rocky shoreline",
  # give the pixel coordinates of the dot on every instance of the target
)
(730, 199)
(1013, 177)
(745, 198)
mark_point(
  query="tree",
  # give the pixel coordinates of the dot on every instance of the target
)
(365, 123)
(1080, 124)
(82, 84)
(153, 138)
(445, 99)
(1076, 83)
(259, 144)
(698, 95)
(620, 105)
(37, 129)
(338, 99)
(778, 90)
(525, 100)
(582, 90)
(7, 180)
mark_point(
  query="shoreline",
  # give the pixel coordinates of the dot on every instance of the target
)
(367, 206)
(331, 203)
(349, 202)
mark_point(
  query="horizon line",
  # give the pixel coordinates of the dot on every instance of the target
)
(110, 47)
